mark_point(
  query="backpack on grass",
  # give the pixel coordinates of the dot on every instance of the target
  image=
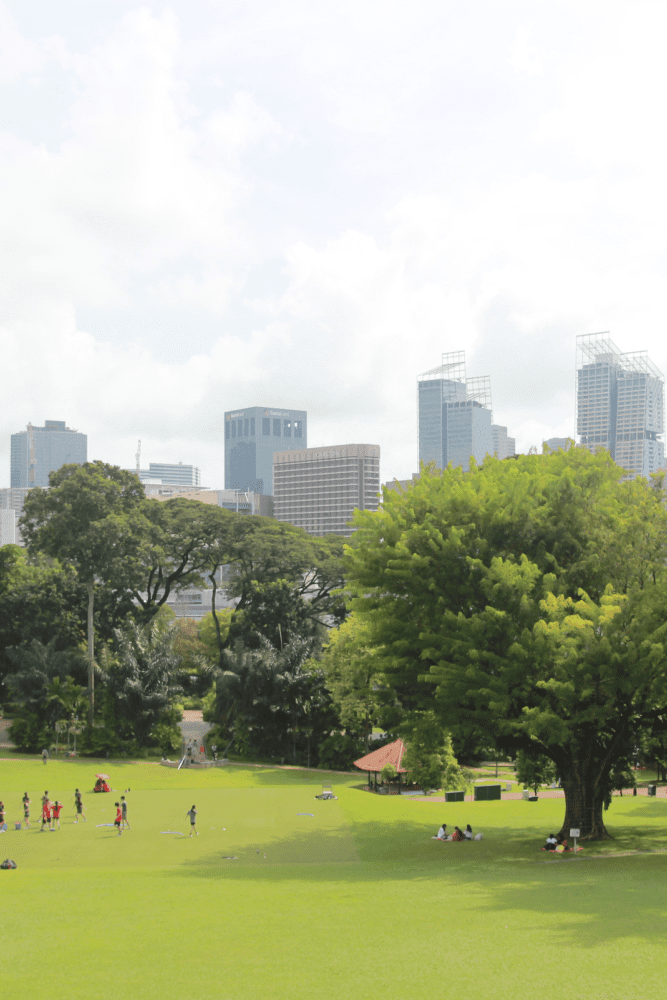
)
(8, 863)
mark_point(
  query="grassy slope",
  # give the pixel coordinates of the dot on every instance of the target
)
(354, 901)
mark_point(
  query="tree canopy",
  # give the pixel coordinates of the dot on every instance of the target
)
(525, 598)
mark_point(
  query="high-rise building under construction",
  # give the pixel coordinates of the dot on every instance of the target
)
(620, 404)
(454, 415)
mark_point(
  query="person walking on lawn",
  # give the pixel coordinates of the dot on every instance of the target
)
(119, 818)
(46, 815)
(26, 809)
(192, 813)
(57, 806)
(79, 806)
(123, 809)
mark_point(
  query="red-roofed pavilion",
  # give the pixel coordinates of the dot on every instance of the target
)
(373, 762)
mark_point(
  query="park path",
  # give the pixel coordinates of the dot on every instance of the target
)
(550, 793)
(4, 734)
(193, 726)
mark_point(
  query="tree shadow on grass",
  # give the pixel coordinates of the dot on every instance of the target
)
(579, 902)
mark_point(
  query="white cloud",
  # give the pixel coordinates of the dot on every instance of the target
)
(305, 205)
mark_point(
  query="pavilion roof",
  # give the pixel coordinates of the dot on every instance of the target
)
(392, 753)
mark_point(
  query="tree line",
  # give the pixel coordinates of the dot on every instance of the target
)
(516, 610)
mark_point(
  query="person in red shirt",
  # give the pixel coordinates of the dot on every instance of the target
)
(57, 806)
(46, 815)
(119, 818)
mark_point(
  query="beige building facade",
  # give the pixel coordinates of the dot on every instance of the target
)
(318, 489)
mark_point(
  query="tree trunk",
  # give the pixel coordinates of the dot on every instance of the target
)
(584, 802)
(91, 653)
(218, 633)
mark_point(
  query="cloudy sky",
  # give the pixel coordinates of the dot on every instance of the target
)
(214, 204)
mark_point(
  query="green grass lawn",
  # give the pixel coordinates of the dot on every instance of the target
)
(354, 900)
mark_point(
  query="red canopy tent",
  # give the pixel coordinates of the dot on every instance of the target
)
(373, 762)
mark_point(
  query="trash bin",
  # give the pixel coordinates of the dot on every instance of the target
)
(651, 790)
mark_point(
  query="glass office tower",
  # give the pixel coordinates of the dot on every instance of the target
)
(620, 404)
(252, 436)
(37, 451)
(454, 415)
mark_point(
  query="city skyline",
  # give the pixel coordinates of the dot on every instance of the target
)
(321, 205)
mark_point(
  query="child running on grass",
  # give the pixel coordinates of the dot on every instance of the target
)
(46, 815)
(26, 809)
(57, 806)
(79, 806)
(192, 813)
(119, 818)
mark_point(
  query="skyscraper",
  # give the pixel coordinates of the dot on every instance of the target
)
(620, 404)
(37, 451)
(454, 415)
(252, 436)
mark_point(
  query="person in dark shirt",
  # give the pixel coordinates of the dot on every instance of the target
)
(26, 809)
(192, 813)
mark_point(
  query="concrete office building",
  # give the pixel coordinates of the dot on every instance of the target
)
(454, 415)
(7, 526)
(12, 499)
(319, 489)
(37, 451)
(620, 404)
(235, 500)
(171, 474)
(252, 437)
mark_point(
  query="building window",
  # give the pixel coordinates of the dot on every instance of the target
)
(287, 429)
(252, 427)
(240, 428)
(298, 425)
(233, 428)
(276, 428)
(246, 422)
(266, 425)
(227, 430)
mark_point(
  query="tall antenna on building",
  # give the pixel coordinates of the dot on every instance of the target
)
(138, 456)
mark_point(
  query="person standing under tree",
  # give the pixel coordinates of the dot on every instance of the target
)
(26, 809)
(123, 809)
(192, 813)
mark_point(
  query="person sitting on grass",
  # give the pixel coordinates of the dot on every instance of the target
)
(457, 835)
(442, 833)
(467, 833)
(551, 843)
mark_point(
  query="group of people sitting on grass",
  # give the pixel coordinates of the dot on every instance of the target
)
(457, 835)
(557, 844)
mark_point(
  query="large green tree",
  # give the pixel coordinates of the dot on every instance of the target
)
(526, 598)
(85, 520)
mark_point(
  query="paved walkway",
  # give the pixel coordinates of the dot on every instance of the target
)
(4, 734)
(193, 726)
(546, 793)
